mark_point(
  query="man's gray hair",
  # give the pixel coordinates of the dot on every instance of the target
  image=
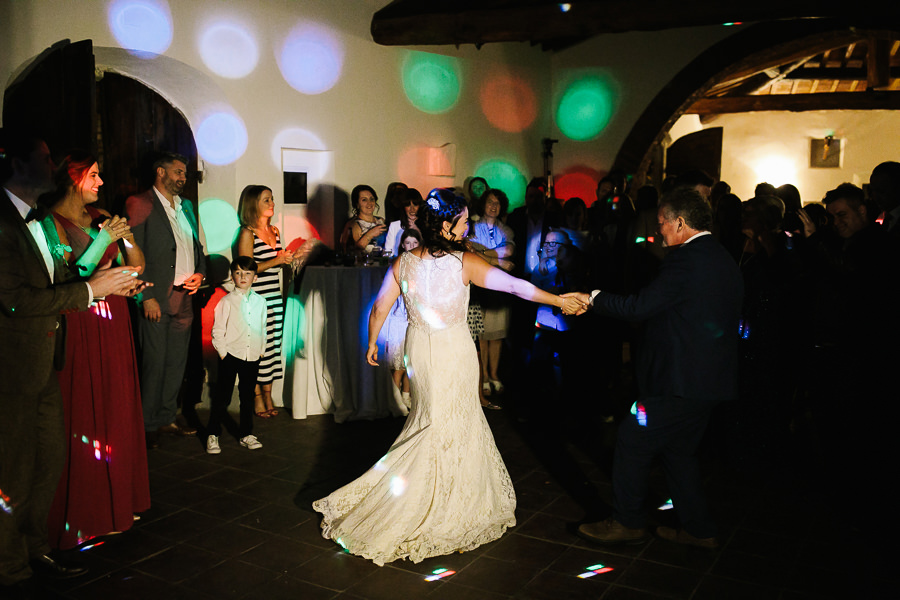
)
(687, 203)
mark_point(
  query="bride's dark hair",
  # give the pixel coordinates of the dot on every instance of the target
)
(441, 205)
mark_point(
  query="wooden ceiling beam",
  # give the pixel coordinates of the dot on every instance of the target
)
(418, 22)
(798, 102)
(878, 62)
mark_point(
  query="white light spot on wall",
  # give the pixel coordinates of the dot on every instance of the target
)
(311, 59)
(229, 50)
(141, 26)
(221, 138)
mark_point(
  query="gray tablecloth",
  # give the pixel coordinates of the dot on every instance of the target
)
(325, 340)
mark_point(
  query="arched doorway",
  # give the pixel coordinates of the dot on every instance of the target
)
(62, 97)
(744, 60)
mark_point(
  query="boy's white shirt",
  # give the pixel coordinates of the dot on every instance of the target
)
(239, 327)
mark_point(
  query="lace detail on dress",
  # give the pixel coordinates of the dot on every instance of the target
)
(442, 487)
(433, 291)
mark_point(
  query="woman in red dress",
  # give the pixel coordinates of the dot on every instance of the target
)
(105, 482)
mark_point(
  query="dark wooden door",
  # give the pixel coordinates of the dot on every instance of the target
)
(699, 150)
(54, 97)
(135, 124)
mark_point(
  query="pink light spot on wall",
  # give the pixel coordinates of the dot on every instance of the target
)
(508, 102)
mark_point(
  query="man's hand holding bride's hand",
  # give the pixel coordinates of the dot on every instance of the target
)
(577, 303)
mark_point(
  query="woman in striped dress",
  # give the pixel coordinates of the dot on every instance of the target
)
(259, 239)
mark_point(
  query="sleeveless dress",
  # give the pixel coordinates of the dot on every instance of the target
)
(267, 285)
(442, 487)
(105, 480)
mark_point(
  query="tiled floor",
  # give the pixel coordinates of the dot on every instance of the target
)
(239, 525)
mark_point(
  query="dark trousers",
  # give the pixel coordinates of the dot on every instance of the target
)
(32, 455)
(673, 431)
(246, 372)
(164, 351)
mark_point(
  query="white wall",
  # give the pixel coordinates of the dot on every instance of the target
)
(782, 139)
(376, 134)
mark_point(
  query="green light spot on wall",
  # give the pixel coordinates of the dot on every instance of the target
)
(504, 176)
(431, 81)
(585, 109)
(220, 224)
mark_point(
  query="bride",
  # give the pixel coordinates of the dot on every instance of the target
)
(442, 487)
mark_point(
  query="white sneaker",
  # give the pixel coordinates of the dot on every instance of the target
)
(251, 442)
(212, 445)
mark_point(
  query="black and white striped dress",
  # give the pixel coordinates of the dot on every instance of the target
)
(268, 287)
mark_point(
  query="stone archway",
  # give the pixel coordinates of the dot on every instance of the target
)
(756, 45)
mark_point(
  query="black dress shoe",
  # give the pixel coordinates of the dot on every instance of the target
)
(56, 567)
(152, 440)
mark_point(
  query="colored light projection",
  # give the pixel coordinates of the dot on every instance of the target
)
(6, 504)
(508, 102)
(586, 107)
(576, 184)
(220, 224)
(595, 570)
(228, 50)
(431, 81)
(640, 413)
(311, 59)
(221, 138)
(142, 27)
(294, 327)
(439, 574)
(503, 175)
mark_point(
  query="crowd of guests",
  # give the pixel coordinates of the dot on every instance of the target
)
(817, 333)
(74, 465)
(817, 336)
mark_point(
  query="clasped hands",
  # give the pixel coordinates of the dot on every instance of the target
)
(117, 228)
(576, 303)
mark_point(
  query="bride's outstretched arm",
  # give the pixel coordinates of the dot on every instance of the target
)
(387, 295)
(482, 274)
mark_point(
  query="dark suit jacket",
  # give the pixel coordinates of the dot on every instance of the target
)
(690, 342)
(153, 234)
(30, 306)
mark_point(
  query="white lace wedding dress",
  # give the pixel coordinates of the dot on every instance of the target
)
(442, 487)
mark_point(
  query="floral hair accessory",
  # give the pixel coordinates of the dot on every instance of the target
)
(433, 203)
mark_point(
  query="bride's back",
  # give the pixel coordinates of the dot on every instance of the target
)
(433, 290)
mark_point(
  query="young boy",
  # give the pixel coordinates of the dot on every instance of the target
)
(239, 336)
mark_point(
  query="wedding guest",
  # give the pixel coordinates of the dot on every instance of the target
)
(99, 382)
(395, 325)
(239, 336)
(261, 241)
(491, 238)
(365, 231)
(409, 201)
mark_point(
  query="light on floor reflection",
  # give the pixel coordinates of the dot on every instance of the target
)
(595, 570)
(439, 574)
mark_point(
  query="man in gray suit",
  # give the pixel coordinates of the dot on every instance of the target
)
(33, 298)
(165, 227)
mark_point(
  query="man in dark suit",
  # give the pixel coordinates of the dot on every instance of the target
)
(33, 299)
(686, 365)
(165, 227)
